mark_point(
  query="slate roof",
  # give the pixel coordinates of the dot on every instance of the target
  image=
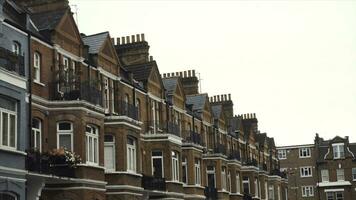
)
(170, 84)
(198, 101)
(95, 42)
(141, 72)
(47, 20)
(261, 137)
(216, 109)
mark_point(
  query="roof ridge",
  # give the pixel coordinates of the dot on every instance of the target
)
(95, 34)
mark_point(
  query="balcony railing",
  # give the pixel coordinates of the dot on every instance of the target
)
(127, 109)
(73, 89)
(41, 163)
(247, 197)
(277, 172)
(220, 148)
(12, 61)
(194, 137)
(251, 162)
(235, 155)
(211, 193)
(153, 183)
(155, 127)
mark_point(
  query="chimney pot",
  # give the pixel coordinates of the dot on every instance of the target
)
(193, 72)
(151, 58)
(214, 98)
(117, 41)
(189, 73)
(138, 38)
(172, 74)
(123, 40)
(133, 38)
(168, 75)
(128, 39)
(229, 97)
(177, 73)
(225, 97)
(218, 98)
(113, 41)
(185, 74)
(164, 75)
(222, 97)
(142, 37)
(181, 74)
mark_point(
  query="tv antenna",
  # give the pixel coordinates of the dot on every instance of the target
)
(75, 13)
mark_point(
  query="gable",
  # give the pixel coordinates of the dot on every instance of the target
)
(108, 52)
(67, 28)
(179, 92)
(155, 83)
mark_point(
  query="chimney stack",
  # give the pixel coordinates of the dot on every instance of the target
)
(142, 37)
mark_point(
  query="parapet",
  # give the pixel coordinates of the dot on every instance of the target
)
(183, 74)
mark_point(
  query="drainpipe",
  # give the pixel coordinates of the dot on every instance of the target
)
(29, 90)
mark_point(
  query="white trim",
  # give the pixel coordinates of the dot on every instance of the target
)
(348, 149)
(337, 144)
(124, 187)
(41, 42)
(13, 170)
(125, 173)
(162, 138)
(335, 190)
(16, 29)
(194, 186)
(123, 123)
(195, 196)
(15, 179)
(175, 182)
(192, 148)
(90, 165)
(296, 146)
(89, 181)
(123, 193)
(330, 184)
(123, 117)
(12, 78)
(75, 188)
(66, 53)
(149, 94)
(108, 74)
(11, 150)
(241, 141)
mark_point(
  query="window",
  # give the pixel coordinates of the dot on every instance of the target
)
(65, 135)
(223, 178)
(340, 175)
(324, 175)
(339, 195)
(256, 187)
(16, 48)
(36, 143)
(184, 170)
(112, 96)
(246, 185)
(306, 172)
(229, 181)
(138, 107)
(66, 69)
(238, 186)
(175, 166)
(7, 196)
(304, 152)
(279, 192)
(338, 150)
(106, 94)
(266, 190)
(197, 171)
(131, 154)
(282, 154)
(354, 174)
(330, 196)
(109, 153)
(271, 192)
(37, 67)
(92, 144)
(307, 191)
(335, 195)
(8, 123)
(210, 170)
(73, 69)
(126, 104)
(157, 164)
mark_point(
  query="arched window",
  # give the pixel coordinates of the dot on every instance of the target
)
(37, 67)
(138, 108)
(36, 141)
(131, 154)
(16, 48)
(7, 196)
(92, 144)
(65, 135)
(109, 153)
(175, 166)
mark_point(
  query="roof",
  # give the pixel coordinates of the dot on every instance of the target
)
(170, 84)
(48, 20)
(197, 100)
(95, 42)
(216, 109)
(141, 72)
(261, 138)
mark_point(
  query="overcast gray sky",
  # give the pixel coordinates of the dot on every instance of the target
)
(290, 62)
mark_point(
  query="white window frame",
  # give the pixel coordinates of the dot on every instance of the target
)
(211, 171)
(161, 158)
(279, 192)
(223, 178)
(266, 190)
(256, 187)
(282, 154)
(65, 132)
(229, 180)
(354, 174)
(106, 95)
(93, 146)
(324, 175)
(131, 155)
(340, 174)
(112, 96)
(185, 170)
(238, 184)
(34, 133)
(175, 166)
(197, 171)
(338, 150)
(308, 191)
(305, 169)
(271, 192)
(112, 145)
(37, 66)
(248, 183)
(9, 113)
(16, 48)
(304, 152)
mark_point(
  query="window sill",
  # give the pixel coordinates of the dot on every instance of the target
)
(10, 150)
(39, 83)
(91, 165)
(124, 173)
(175, 182)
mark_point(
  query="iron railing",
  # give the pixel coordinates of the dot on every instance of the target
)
(211, 193)
(127, 109)
(12, 61)
(235, 155)
(153, 183)
(155, 127)
(220, 148)
(194, 137)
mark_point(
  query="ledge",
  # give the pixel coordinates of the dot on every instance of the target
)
(14, 151)
(337, 183)
(39, 83)
(124, 173)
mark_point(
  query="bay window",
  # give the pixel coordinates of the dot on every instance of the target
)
(65, 135)
(157, 164)
(92, 144)
(109, 153)
(197, 171)
(175, 166)
(36, 142)
(131, 154)
(8, 123)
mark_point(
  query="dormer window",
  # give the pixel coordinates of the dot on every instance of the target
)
(338, 150)
(304, 153)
